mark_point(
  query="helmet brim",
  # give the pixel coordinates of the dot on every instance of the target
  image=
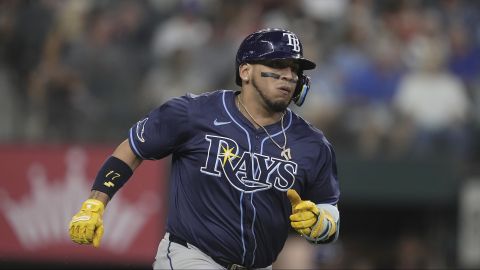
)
(303, 63)
(306, 64)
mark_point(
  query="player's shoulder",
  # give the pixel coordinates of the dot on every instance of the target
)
(191, 100)
(207, 96)
(309, 131)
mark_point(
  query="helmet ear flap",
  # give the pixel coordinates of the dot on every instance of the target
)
(301, 90)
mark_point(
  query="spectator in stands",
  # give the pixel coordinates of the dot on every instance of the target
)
(433, 103)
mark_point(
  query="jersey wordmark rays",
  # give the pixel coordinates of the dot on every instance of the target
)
(252, 171)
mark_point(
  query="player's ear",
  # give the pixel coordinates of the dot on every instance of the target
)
(244, 70)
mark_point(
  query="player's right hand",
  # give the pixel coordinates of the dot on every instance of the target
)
(86, 227)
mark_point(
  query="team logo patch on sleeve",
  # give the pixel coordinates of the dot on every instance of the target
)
(141, 129)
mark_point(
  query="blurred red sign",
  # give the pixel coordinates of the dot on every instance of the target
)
(42, 187)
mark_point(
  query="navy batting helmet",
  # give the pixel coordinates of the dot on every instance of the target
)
(275, 44)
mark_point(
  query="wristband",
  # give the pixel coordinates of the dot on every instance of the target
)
(112, 176)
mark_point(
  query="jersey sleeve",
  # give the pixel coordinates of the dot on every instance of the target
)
(325, 187)
(162, 131)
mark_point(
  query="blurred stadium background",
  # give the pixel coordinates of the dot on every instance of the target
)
(397, 91)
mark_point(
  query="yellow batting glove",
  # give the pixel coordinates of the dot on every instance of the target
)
(86, 227)
(305, 214)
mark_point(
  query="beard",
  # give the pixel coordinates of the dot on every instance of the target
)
(279, 106)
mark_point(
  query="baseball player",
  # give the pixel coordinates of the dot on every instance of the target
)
(245, 168)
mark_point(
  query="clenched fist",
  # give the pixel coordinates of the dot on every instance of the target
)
(86, 227)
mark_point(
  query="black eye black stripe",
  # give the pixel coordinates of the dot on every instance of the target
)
(270, 74)
(275, 76)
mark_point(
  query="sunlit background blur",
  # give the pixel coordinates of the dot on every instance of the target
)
(396, 90)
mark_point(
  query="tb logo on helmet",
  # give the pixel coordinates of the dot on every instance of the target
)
(293, 41)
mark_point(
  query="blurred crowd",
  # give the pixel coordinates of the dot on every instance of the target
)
(394, 78)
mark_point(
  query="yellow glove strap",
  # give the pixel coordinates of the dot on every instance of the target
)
(325, 228)
(93, 206)
(319, 226)
(333, 224)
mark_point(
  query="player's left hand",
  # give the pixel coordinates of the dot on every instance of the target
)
(307, 219)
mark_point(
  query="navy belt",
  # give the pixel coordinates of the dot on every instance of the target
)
(229, 266)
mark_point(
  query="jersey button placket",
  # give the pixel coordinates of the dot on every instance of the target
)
(256, 147)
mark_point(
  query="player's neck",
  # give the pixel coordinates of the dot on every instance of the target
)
(251, 107)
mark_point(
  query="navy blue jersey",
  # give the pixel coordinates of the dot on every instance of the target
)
(228, 180)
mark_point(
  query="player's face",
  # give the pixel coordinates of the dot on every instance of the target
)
(275, 81)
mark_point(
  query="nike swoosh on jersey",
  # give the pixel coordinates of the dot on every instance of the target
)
(218, 123)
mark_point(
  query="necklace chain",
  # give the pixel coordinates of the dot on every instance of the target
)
(269, 136)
